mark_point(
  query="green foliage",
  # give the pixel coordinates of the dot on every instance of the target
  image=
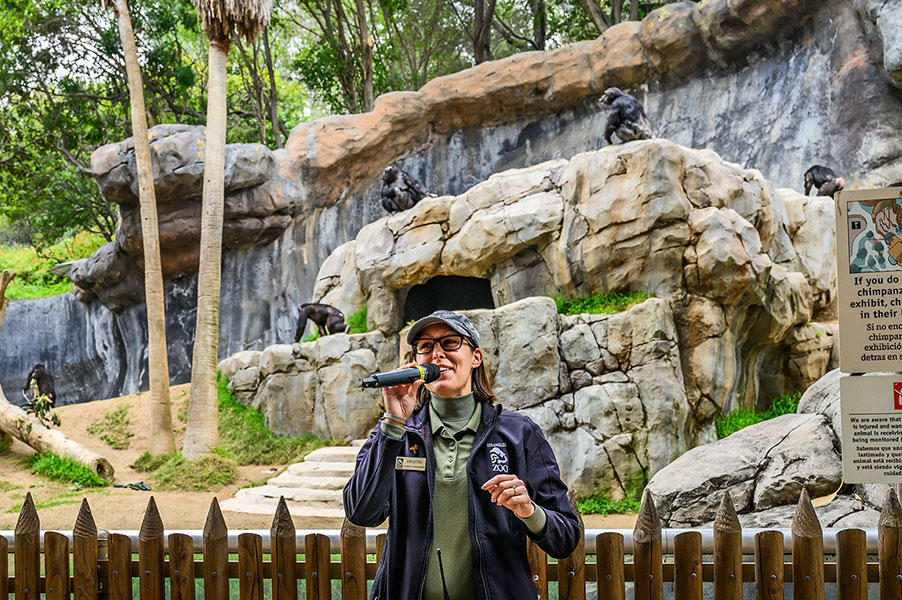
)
(738, 419)
(41, 505)
(66, 470)
(609, 303)
(41, 406)
(147, 463)
(33, 279)
(357, 322)
(244, 435)
(113, 428)
(311, 337)
(6, 486)
(175, 472)
(601, 504)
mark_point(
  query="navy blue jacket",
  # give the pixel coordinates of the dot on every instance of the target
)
(506, 442)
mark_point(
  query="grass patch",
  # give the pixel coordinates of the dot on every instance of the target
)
(601, 504)
(6, 486)
(244, 436)
(357, 321)
(600, 304)
(311, 337)
(113, 428)
(41, 505)
(65, 470)
(147, 463)
(33, 280)
(175, 472)
(738, 419)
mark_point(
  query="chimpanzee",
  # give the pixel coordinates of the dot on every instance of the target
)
(824, 180)
(627, 117)
(400, 191)
(328, 319)
(44, 379)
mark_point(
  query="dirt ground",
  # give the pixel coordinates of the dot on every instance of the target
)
(122, 508)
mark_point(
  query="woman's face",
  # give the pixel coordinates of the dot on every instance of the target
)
(456, 380)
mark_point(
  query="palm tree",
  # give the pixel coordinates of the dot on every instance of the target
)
(221, 18)
(162, 440)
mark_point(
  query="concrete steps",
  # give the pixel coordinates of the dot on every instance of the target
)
(312, 488)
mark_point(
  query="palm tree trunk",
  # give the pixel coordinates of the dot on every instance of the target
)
(5, 278)
(202, 433)
(162, 440)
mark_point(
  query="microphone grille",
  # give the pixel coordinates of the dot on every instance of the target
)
(433, 372)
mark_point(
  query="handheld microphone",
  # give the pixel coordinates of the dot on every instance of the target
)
(428, 372)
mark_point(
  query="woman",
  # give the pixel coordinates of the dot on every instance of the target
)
(462, 480)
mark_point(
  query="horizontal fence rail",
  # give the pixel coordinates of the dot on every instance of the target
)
(88, 564)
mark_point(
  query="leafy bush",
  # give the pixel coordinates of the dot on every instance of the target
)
(357, 321)
(735, 420)
(600, 304)
(601, 504)
(66, 470)
(113, 428)
(243, 434)
(34, 280)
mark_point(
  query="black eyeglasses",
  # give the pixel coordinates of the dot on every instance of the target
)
(449, 343)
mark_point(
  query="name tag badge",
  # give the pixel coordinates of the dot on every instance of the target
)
(409, 463)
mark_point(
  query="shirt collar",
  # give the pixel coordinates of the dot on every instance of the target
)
(473, 424)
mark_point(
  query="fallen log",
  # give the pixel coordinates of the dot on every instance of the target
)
(27, 428)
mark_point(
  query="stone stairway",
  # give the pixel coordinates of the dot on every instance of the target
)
(312, 488)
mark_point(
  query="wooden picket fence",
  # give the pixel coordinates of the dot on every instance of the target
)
(104, 565)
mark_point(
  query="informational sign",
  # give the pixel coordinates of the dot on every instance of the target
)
(869, 277)
(871, 408)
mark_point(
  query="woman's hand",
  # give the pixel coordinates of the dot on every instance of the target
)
(510, 492)
(401, 399)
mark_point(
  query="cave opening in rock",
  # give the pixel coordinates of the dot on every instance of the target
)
(449, 292)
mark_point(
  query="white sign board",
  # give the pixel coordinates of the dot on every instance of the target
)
(871, 408)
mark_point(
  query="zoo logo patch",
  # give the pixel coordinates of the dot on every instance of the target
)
(499, 460)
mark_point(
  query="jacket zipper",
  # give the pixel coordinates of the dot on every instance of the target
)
(430, 484)
(472, 502)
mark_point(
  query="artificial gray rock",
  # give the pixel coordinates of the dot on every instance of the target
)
(762, 466)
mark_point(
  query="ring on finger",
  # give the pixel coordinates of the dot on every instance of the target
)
(515, 491)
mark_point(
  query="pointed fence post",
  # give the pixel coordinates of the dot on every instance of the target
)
(284, 555)
(150, 554)
(851, 565)
(727, 552)
(4, 568)
(769, 565)
(319, 585)
(181, 567)
(216, 555)
(687, 558)
(889, 547)
(119, 563)
(610, 572)
(56, 566)
(353, 561)
(85, 554)
(647, 552)
(538, 566)
(28, 552)
(250, 566)
(380, 548)
(807, 552)
(571, 571)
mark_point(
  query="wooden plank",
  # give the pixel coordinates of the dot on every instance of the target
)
(609, 568)
(807, 552)
(150, 554)
(889, 547)
(727, 552)
(28, 552)
(250, 567)
(380, 549)
(353, 561)
(647, 548)
(85, 555)
(216, 555)
(284, 555)
(687, 549)
(769, 565)
(851, 565)
(56, 566)
(181, 567)
(538, 566)
(4, 568)
(119, 564)
(317, 572)
(572, 570)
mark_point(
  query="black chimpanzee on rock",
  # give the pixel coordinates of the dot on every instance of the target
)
(328, 319)
(400, 191)
(627, 117)
(824, 180)
(43, 379)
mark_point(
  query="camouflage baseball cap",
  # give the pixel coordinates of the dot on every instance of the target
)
(455, 321)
